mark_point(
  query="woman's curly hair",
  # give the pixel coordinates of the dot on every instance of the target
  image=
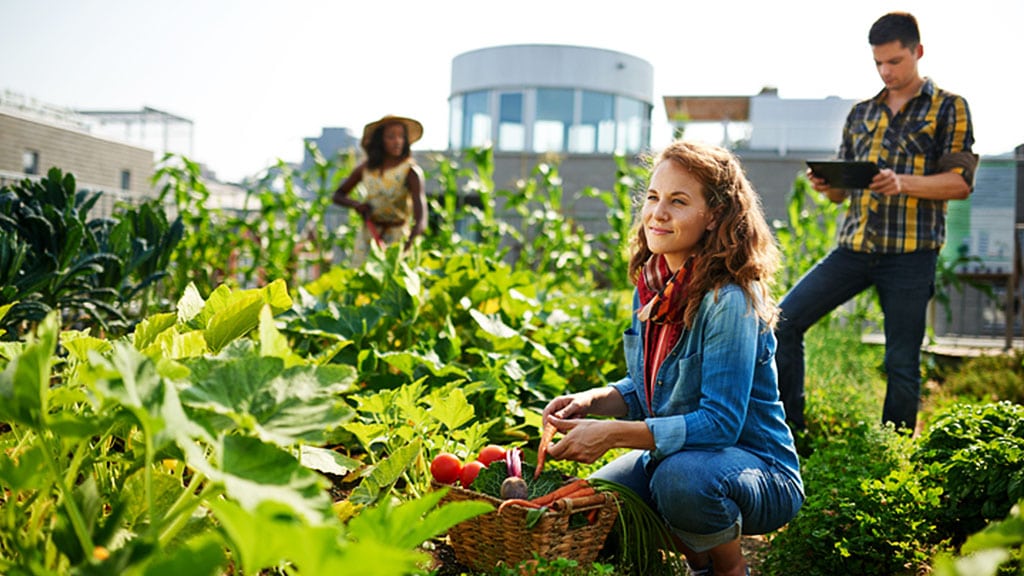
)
(740, 249)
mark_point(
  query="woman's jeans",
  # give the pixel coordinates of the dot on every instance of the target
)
(905, 283)
(710, 497)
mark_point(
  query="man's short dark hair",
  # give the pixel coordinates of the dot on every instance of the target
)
(901, 26)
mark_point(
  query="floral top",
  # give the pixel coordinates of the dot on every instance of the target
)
(386, 193)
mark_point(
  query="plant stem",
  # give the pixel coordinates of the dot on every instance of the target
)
(77, 521)
(181, 510)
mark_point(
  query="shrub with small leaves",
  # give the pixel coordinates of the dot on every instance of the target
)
(980, 449)
(866, 512)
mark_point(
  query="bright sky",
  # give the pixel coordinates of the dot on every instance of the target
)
(256, 77)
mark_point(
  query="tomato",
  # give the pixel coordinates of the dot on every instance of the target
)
(446, 468)
(491, 453)
(469, 472)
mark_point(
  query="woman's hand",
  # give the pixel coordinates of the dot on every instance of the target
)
(571, 406)
(585, 440)
(364, 209)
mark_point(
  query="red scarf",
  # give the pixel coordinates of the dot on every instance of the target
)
(662, 307)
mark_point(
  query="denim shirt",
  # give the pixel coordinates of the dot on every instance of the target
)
(716, 388)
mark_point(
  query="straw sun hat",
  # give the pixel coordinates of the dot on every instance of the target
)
(413, 127)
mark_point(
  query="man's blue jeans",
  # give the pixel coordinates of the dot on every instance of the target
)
(905, 283)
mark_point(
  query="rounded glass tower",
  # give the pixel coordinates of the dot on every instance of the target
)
(539, 98)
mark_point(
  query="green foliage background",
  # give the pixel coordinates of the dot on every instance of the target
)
(177, 391)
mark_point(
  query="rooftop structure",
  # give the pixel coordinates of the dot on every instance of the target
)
(541, 98)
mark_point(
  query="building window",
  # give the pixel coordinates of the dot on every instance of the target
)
(476, 121)
(554, 117)
(629, 136)
(511, 129)
(126, 180)
(596, 129)
(30, 162)
(455, 124)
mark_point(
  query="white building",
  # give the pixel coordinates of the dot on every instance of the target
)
(539, 98)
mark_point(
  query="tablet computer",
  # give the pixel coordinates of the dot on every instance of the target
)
(843, 173)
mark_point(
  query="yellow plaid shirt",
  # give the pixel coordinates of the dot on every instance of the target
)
(931, 127)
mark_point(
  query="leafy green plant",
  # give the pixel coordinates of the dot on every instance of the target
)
(807, 236)
(52, 255)
(985, 379)
(809, 233)
(611, 250)
(554, 243)
(867, 510)
(997, 549)
(980, 451)
(144, 240)
(123, 456)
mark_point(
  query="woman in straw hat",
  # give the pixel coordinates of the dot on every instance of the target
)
(392, 186)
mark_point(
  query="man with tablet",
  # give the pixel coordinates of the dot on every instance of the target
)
(918, 138)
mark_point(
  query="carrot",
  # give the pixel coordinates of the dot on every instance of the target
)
(547, 435)
(573, 489)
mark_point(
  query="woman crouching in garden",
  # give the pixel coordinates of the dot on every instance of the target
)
(699, 404)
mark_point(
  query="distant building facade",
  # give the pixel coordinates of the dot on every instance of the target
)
(35, 137)
(330, 143)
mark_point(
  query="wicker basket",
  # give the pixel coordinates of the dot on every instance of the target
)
(574, 529)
